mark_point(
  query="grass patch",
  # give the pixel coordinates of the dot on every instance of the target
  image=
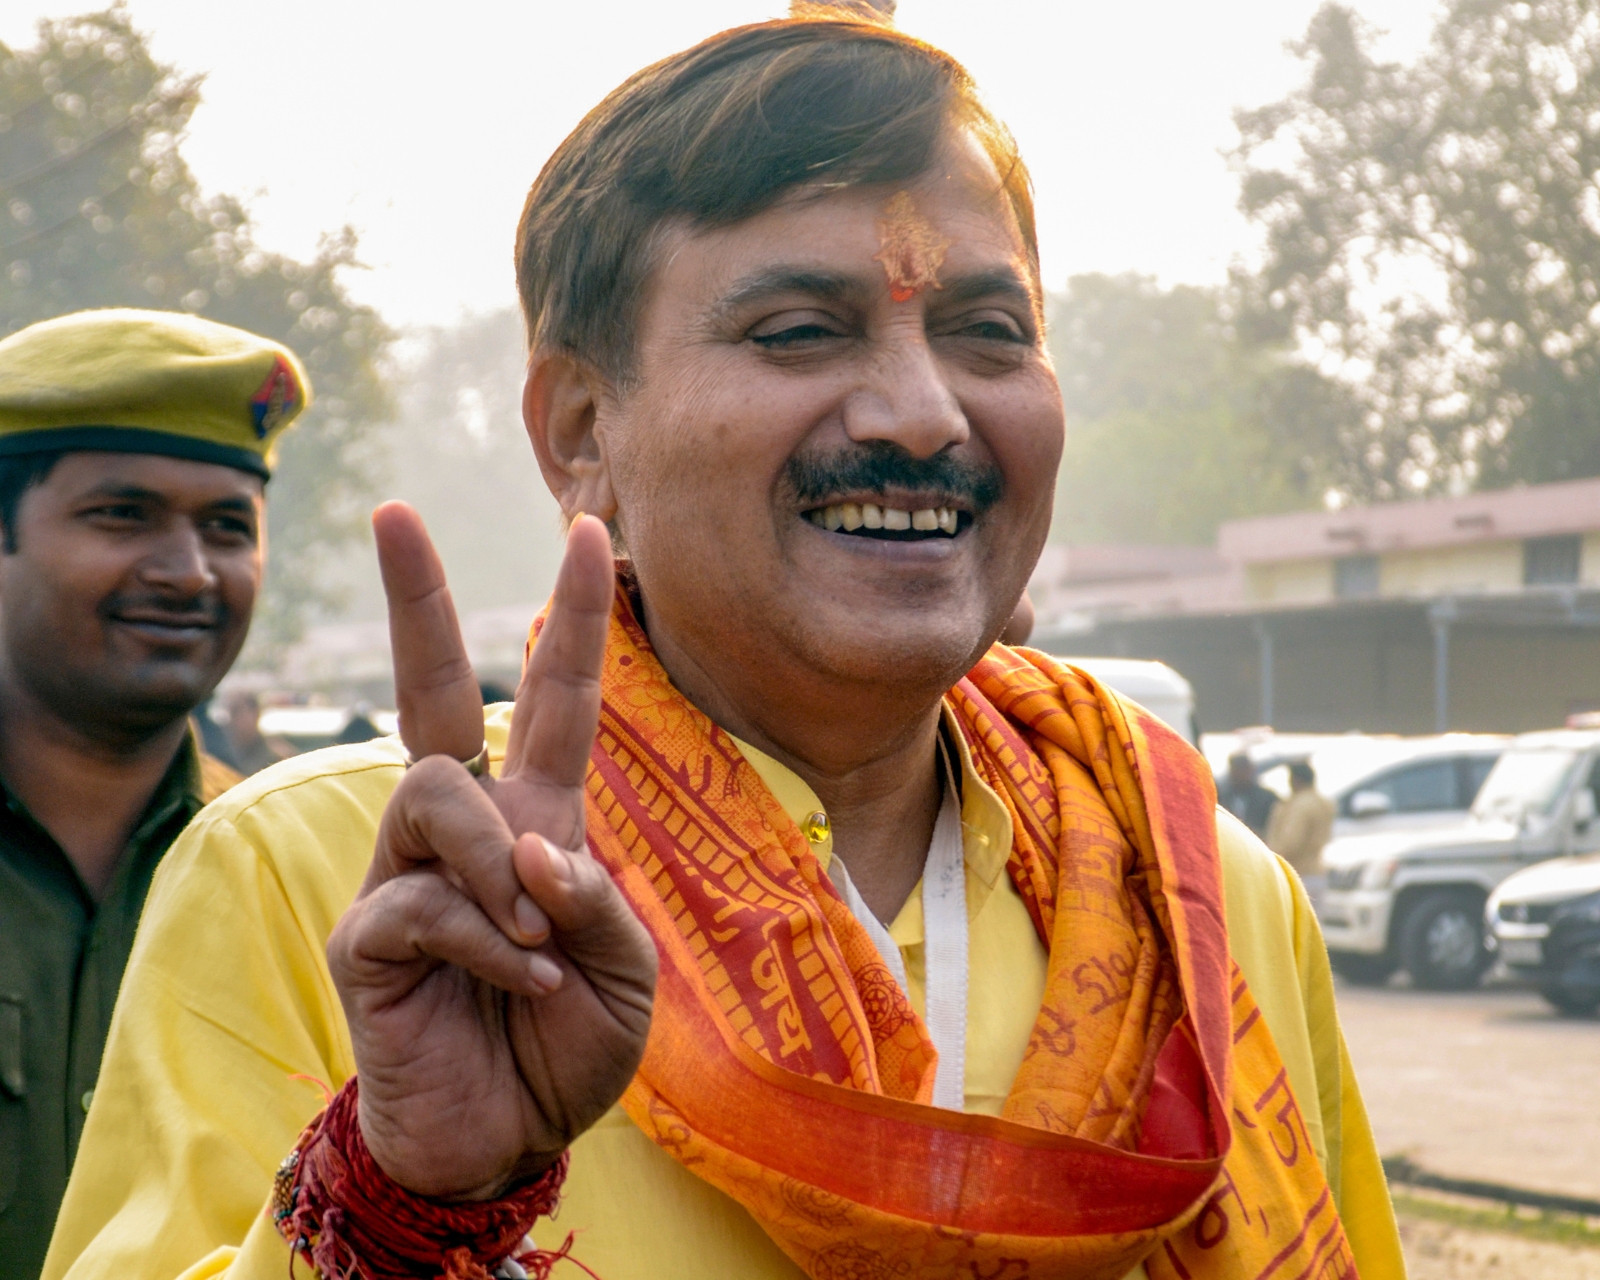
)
(1482, 1215)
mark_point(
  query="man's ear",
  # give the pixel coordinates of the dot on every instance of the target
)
(560, 408)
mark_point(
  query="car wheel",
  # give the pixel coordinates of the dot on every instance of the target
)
(1572, 1003)
(1361, 969)
(1441, 942)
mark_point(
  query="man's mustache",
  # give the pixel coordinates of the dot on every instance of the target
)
(879, 466)
(198, 611)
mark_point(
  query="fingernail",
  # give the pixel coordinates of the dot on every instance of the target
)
(546, 973)
(530, 920)
(560, 864)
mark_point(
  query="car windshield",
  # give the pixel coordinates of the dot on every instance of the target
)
(1525, 780)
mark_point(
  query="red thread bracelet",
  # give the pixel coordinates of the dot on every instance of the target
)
(333, 1203)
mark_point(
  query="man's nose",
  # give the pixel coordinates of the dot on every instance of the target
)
(904, 398)
(179, 564)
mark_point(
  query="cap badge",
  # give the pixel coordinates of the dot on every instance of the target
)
(278, 398)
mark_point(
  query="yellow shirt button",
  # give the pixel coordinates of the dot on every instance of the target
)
(816, 828)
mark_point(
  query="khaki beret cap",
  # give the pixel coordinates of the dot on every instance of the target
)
(162, 382)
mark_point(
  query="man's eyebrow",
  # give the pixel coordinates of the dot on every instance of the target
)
(234, 504)
(834, 286)
(1001, 282)
(128, 492)
(830, 286)
(138, 493)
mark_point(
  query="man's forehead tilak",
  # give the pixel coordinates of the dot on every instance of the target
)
(910, 250)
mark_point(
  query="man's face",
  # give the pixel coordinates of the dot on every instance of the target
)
(787, 379)
(129, 593)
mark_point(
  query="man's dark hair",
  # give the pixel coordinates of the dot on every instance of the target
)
(1301, 774)
(715, 135)
(19, 472)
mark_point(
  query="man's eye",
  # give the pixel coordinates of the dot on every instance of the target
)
(793, 335)
(230, 527)
(118, 511)
(992, 330)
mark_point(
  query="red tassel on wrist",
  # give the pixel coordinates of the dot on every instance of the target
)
(335, 1205)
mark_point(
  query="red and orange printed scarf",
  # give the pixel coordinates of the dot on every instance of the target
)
(1152, 1117)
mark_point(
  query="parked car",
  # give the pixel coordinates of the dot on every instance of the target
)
(1381, 783)
(1545, 923)
(309, 728)
(1415, 900)
(1153, 685)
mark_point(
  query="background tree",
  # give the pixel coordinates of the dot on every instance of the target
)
(98, 209)
(1433, 238)
(1175, 420)
(457, 450)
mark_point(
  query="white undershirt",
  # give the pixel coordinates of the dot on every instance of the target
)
(944, 913)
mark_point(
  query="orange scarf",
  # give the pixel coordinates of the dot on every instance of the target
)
(1152, 1117)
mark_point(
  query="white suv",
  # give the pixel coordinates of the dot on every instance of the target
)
(1415, 900)
(1376, 782)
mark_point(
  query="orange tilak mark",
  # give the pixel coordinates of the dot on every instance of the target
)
(911, 250)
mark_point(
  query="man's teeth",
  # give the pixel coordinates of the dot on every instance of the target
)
(851, 516)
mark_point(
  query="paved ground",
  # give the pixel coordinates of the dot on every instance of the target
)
(1488, 1084)
(1435, 1251)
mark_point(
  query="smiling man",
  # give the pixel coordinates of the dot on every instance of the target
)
(787, 925)
(132, 459)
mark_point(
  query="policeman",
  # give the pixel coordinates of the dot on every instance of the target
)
(134, 449)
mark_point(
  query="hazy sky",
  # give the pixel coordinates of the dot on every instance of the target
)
(422, 125)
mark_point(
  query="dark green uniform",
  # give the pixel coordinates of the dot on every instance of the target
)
(61, 961)
(119, 381)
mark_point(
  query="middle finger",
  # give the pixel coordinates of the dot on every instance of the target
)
(440, 813)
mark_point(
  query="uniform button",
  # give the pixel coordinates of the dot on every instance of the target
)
(88, 1097)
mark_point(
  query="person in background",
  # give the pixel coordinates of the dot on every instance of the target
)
(360, 727)
(252, 751)
(211, 735)
(492, 692)
(1244, 797)
(134, 447)
(1301, 825)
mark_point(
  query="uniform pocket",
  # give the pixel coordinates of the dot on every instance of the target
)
(13, 1085)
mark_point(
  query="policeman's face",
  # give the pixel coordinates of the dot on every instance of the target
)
(129, 592)
(780, 382)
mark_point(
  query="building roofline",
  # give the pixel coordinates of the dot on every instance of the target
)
(1532, 511)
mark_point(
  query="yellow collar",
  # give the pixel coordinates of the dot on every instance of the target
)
(985, 824)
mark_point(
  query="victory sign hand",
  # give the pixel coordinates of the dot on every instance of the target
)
(496, 984)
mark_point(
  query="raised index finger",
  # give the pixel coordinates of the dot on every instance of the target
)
(558, 701)
(441, 709)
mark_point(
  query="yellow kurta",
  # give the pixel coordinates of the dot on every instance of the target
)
(228, 995)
